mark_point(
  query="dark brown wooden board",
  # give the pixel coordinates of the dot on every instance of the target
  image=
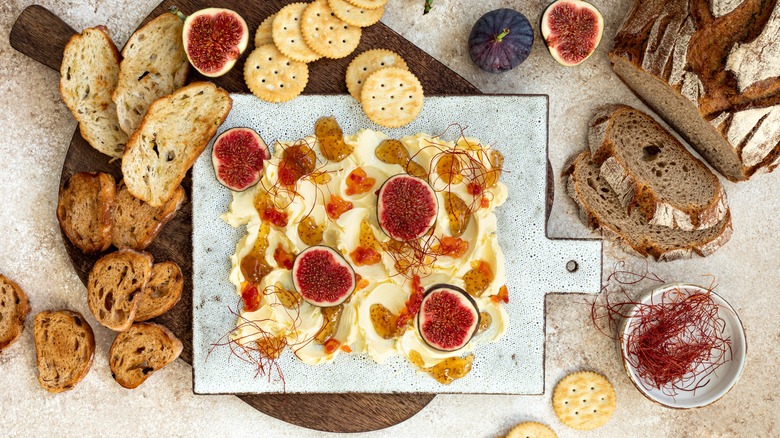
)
(42, 36)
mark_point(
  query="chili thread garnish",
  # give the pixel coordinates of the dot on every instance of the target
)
(674, 342)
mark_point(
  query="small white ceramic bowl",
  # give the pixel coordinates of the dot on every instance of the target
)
(721, 381)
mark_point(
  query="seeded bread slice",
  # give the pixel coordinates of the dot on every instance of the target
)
(650, 170)
(162, 292)
(136, 223)
(14, 307)
(154, 65)
(114, 287)
(601, 209)
(174, 132)
(64, 349)
(88, 77)
(140, 351)
(84, 210)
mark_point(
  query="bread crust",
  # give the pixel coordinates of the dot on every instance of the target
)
(94, 192)
(55, 351)
(12, 323)
(684, 52)
(633, 192)
(643, 245)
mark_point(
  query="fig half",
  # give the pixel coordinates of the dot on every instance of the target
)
(572, 30)
(238, 157)
(448, 317)
(322, 276)
(214, 39)
(406, 207)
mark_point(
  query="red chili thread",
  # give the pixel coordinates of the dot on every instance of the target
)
(673, 343)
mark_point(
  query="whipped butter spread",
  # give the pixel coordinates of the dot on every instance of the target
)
(354, 331)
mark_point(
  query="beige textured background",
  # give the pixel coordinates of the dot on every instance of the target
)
(36, 129)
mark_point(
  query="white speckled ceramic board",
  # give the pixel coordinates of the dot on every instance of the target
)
(536, 265)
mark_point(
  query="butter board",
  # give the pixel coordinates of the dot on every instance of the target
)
(42, 36)
(535, 265)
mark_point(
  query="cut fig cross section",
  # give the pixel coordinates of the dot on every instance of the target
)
(323, 277)
(238, 157)
(572, 30)
(214, 39)
(448, 317)
(406, 207)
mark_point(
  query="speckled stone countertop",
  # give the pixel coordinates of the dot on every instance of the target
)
(37, 128)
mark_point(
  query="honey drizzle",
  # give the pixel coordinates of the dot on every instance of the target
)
(446, 371)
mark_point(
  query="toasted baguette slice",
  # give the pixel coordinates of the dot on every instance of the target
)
(154, 65)
(650, 170)
(14, 307)
(140, 351)
(174, 132)
(114, 287)
(162, 292)
(64, 349)
(88, 77)
(136, 223)
(601, 209)
(84, 210)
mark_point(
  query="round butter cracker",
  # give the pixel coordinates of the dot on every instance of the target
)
(286, 32)
(367, 63)
(327, 34)
(584, 400)
(273, 77)
(355, 15)
(368, 4)
(392, 97)
(531, 429)
(264, 33)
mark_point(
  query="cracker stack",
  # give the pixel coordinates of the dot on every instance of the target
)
(300, 33)
(639, 185)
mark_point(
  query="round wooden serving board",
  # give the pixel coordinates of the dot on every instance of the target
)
(42, 36)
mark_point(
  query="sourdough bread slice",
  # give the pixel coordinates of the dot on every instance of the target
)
(136, 223)
(162, 292)
(710, 70)
(140, 351)
(64, 349)
(114, 287)
(650, 170)
(14, 307)
(601, 209)
(88, 77)
(154, 65)
(84, 209)
(174, 132)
